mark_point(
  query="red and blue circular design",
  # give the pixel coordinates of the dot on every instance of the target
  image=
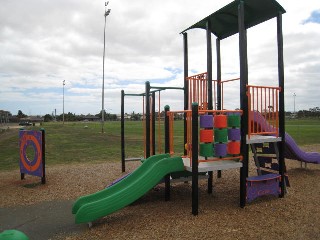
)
(31, 139)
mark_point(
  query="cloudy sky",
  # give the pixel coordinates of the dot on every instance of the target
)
(43, 42)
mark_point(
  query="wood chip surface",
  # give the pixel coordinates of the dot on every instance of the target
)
(296, 216)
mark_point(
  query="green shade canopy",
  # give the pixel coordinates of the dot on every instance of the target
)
(224, 22)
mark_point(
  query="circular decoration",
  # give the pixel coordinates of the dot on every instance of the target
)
(31, 139)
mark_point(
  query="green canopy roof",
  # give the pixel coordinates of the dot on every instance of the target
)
(224, 22)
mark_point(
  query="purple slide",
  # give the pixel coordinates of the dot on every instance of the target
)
(292, 150)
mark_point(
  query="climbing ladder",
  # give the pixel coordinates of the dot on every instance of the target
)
(263, 138)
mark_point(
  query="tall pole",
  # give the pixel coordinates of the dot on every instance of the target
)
(106, 13)
(294, 103)
(243, 101)
(63, 83)
(282, 130)
(123, 163)
(186, 85)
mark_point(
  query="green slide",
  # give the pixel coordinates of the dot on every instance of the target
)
(152, 170)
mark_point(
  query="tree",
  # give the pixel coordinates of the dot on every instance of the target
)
(47, 118)
(21, 114)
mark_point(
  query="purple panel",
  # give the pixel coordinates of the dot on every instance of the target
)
(234, 134)
(220, 149)
(206, 121)
(262, 185)
(31, 166)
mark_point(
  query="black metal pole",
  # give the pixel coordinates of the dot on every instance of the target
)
(153, 121)
(195, 187)
(123, 162)
(219, 99)
(243, 102)
(43, 178)
(167, 150)
(281, 103)
(209, 65)
(147, 112)
(186, 85)
(22, 175)
(209, 81)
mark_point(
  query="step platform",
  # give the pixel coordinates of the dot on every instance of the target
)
(258, 186)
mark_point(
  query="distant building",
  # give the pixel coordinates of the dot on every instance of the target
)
(4, 116)
(91, 118)
(33, 119)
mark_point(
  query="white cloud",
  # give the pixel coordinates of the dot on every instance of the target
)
(45, 42)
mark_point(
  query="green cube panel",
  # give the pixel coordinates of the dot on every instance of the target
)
(206, 149)
(234, 121)
(220, 135)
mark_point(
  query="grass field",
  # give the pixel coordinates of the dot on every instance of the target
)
(74, 142)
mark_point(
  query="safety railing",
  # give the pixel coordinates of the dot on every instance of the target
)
(198, 90)
(263, 108)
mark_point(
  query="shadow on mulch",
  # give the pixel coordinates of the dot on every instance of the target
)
(47, 220)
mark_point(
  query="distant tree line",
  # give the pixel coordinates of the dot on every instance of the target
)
(311, 113)
(71, 117)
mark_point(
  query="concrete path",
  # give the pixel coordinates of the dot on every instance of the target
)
(45, 220)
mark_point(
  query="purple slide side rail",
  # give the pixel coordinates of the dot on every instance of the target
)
(292, 150)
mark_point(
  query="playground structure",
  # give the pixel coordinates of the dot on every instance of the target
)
(225, 135)
(235, 17)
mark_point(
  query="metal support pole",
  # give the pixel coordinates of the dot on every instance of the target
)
(43, 134)
(294, 104)
(209, 82)
(153, 121)
(167, 150)
(123, 163)
(186, 86)
(281, 103)
(147, 112)
(63, 83)
(106, 13)
(243, 102)
(219, 99)
(195, 187)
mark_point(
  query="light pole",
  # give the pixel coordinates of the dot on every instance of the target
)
(106, 13)
(63, 83)
(294, 103)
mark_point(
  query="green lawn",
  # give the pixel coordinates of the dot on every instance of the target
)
(305, 131)
(73, 142)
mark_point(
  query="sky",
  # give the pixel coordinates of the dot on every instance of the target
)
(44, 42)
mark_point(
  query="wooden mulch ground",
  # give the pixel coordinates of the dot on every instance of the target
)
(297, 216)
